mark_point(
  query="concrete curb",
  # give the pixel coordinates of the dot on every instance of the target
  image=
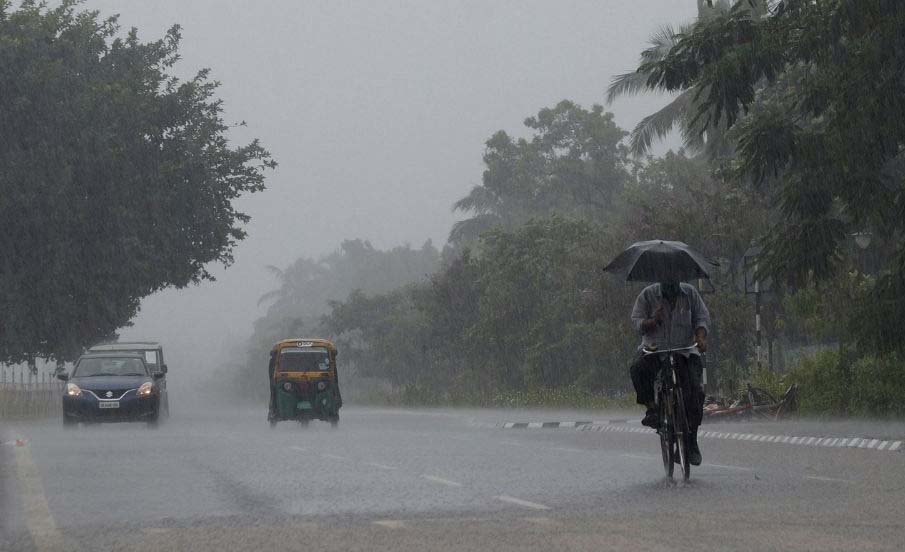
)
(628, 426)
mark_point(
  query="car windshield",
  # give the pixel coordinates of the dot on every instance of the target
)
(304, 359)
(88, 367)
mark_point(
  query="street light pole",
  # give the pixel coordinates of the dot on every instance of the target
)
(757, 352)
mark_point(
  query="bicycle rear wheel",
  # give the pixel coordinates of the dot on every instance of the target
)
(681, 434)
(666, 438)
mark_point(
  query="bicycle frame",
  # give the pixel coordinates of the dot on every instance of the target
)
(669, 399)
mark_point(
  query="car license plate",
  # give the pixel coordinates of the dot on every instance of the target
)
(108, 404)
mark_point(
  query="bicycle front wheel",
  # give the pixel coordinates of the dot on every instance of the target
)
(666, 438)
(681, 434)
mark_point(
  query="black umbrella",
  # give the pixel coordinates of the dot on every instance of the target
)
(660, 261)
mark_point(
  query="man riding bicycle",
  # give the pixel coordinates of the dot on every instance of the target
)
(672, 315)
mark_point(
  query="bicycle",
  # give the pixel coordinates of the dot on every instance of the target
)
(673, 426)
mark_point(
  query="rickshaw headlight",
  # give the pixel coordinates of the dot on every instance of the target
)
(287, 386)
(321, 386)
(73, 390)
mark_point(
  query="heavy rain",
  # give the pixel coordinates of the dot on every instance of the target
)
(460, 275)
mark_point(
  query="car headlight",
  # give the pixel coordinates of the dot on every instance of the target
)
(321, 386)
(73, 390)
(145, 389)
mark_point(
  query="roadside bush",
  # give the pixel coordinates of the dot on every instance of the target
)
(821, 382)
(877, 386)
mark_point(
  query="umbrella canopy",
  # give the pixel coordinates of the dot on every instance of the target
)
(660, 261)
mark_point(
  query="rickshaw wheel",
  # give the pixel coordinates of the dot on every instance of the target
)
(334, 422)
(303, 423)
(273, 423)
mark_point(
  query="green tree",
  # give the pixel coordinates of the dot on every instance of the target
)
(574, 165)
(812, 93)
(116, 178)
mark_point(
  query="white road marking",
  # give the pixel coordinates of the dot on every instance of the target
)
(895, 446)
(541, 520)
(440, 480)
(883, 445)
(381, 466)
(299, 449)
(640, 456)
(535, 425)
(38, 518)
(569, 449)
(822, 478)
(334, 457)
(390, 523)
(524, 503)
(513, 443)
(725, 467)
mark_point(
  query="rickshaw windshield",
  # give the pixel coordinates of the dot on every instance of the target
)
(304, 359)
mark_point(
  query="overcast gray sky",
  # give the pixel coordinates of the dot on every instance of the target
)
(377, 112)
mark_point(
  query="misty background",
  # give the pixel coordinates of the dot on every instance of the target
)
(377, 113)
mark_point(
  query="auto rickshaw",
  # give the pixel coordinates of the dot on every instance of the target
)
(304, 384)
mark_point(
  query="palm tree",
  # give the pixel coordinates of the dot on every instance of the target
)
(682, 109)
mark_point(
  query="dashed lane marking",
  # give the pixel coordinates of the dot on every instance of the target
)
(523, 503)
(726, 467)
(381, 466)
(830, 479)
(390, 523)
(441, 481)
(334, 457)
(38, 518)
(540, 520)
(569, 449)
(299, 449)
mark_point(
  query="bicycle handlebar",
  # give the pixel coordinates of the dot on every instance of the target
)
(657, 351)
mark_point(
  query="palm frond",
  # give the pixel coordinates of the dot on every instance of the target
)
(269, 296)
(479, 200)
(468, 230)
(629, 84)
(663, 40)
(276, 271)
(626, 84)
(660, 123)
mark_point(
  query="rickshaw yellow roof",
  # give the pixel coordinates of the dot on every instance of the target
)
(314, 341)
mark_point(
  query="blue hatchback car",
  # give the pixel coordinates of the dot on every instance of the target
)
(111, 387)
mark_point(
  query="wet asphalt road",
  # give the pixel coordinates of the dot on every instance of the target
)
(430, 480)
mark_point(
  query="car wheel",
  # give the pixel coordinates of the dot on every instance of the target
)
(334, 421)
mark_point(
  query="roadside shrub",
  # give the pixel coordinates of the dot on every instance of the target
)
(821, 381)
(877, 386)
